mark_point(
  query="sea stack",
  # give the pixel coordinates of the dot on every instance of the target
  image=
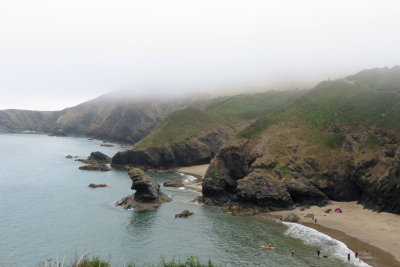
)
(147, 197)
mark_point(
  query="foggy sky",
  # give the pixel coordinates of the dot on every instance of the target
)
(56, 54)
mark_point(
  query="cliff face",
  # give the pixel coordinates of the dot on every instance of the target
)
(249, 172)
(197, 150)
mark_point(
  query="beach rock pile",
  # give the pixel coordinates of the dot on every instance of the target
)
(184, 214)
(147, 196)
(290, 217)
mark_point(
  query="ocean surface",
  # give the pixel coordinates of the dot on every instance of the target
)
(47, 211)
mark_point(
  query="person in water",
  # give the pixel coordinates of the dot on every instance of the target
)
(318, 252)
(348, 256)
(292, 252)
(269, 245)
(356, 254)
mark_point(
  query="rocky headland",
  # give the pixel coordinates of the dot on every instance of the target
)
(148, 195)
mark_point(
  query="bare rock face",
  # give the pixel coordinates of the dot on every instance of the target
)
(147, 197)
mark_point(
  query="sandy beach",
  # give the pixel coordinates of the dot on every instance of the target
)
(197, 171)
(379, 230)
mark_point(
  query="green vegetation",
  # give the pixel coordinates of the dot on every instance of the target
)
(191, 261)
(335, 141)
(223, 112)
(371, 141)
(369, 98)
(177, 127)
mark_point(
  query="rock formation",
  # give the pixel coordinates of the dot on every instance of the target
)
(96, 158)
(173, 184)
(147, 197)
(184, 214)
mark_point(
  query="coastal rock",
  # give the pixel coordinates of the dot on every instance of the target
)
(107, 145)
(97, 185)
(68, 156)
(184, 214)
(98, 167)
(147, 197)
(290, 217)
(97, 158)
(173, 184)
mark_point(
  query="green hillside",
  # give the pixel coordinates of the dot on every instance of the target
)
(223, 112)
(368, 98)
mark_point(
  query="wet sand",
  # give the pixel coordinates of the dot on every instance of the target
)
(360, 229)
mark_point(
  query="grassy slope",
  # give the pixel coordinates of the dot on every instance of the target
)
(188, 122)
(369, 98)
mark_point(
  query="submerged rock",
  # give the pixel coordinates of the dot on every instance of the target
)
(97, 185)
(184, 214)
(91, 167)
(147, 196)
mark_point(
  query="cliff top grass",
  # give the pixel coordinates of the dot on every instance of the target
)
(223, 112)
(368, 98)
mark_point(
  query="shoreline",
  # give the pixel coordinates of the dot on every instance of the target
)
(197, 171)
(360, 229)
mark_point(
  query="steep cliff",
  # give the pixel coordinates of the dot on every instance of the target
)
(340, 141)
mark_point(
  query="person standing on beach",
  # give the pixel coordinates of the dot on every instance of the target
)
(318, 252)
(315, 220)
(356, 254)
(348, 256)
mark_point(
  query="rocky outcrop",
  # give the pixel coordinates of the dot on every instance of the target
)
(96, 158)
(147, 197)
(243, 174)
(195, 151)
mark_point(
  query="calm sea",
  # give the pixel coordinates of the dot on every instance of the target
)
(48, 211)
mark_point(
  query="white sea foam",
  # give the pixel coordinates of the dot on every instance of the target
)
(189, 178)
(328, 245)
(181, 188)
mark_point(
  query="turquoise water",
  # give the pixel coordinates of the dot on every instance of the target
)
(48, 211)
